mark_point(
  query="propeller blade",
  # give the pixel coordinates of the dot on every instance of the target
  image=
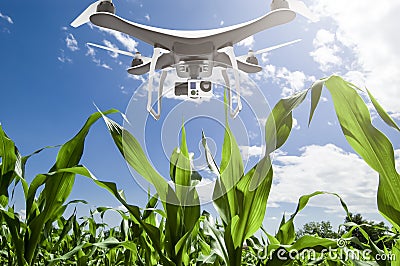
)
(300, 8)
(84, 17)
(145, 59)
(111, 49)
(265, 50)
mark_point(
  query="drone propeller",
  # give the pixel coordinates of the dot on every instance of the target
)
(137, 55)
(84, 17)
(98, 6)
(300, 8)
(251, 53)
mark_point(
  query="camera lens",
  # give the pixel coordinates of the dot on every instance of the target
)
(205, 86)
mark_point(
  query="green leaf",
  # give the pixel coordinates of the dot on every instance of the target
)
(181, 170)
(371, 144)
(212, 165)
(254, 202)
(10, 160)
(14, 228)
(313, 242)
(152, 203)
(152, 231)
(220, 200)
(231, 170)
(396, 253)
(286, 234)
(130, 149)
(218, 246)
(382, 113)
(316, 90)
(182, 219)
(279, 122)
(58, 187)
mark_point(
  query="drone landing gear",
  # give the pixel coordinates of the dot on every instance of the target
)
(156, 55)
(231, 54)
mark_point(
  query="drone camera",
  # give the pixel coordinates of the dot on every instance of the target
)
(194, 89)
(181, 88)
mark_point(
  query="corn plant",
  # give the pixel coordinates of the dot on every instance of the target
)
(26, 236)
(177, 233)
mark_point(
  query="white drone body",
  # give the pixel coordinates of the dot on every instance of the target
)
(194, 54)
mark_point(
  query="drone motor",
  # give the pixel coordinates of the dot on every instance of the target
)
(106, 6)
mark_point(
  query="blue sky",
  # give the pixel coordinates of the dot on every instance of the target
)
(49, 80)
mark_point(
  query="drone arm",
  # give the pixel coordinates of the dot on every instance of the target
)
(156, 55)
(231, 54)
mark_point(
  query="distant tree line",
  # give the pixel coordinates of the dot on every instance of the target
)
(377, 232)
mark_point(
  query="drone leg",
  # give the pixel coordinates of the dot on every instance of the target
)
(227, 85)
(156, 115)
(234, 112)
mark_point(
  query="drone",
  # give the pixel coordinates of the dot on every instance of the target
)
(194, 54)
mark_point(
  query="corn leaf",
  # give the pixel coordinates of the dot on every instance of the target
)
(231, 169)
(254, 202)
(130, 149)
(286, 234)
(279, 122)
(152, 231)
(218, 246)
(371, 144)
(382, 113)
(220, 200)
(10, 160)
(316, 90)
(396, 253)
(58, 187)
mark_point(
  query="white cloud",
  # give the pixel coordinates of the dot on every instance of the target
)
(264, 58)
(90, 51)
(205, 190)
(327, 168)
(251, 151)
(6, 18)
(112, 46)
(293, 81)
(248, 42)
(97, 61)
(71, 42)
(323, 37)
(129, 43)
(290, 81)
(396, 115)
(369, 29)
(63, 58)
(136, 77)
(326, 51)
(295, 124)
